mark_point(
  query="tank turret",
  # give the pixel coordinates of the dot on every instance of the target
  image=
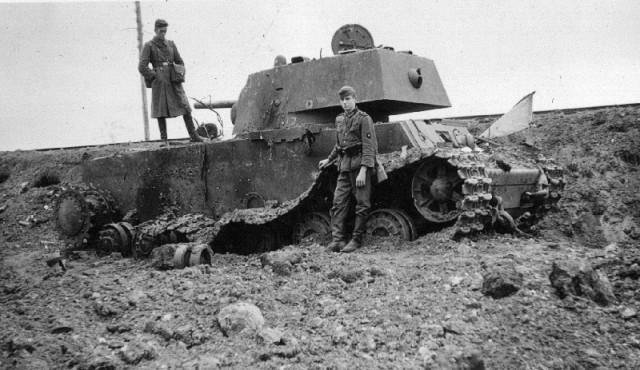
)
(305, 91)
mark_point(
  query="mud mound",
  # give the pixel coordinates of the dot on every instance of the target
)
(599, 150)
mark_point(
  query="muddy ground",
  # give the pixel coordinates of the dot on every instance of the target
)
(392, 304)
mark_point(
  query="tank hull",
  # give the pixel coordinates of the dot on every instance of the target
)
(275, 167)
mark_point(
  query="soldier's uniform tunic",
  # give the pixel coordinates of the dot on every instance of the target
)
(351, 129)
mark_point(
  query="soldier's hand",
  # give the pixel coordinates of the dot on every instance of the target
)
(361, 179)
(323, 163)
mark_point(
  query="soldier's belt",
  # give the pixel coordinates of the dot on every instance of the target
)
(350, 151)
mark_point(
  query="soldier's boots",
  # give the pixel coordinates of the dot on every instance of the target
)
(162, 125)
(188, 122)
(336, 246)
(352, 246)
(358, 233)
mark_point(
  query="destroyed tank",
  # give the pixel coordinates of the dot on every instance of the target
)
(262, 188)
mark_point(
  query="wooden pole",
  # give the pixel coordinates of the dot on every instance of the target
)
(145, 108)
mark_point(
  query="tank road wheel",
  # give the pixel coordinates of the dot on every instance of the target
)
(388, 222)
(182, 256)
(201, 255)
(116, 237)
(437, 191)
(143, 245)
(311, 223)
(410, 223)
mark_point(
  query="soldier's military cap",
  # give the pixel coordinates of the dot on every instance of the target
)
(161, 23)
(346, 91)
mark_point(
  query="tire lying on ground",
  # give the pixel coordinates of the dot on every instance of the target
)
(188, 255)
(201, 255)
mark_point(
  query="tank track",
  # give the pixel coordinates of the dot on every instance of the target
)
(555, 176)
(555, 185)
(476, 212)
(168, 229)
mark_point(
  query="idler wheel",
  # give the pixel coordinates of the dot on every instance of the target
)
(311, 223)
(388, 222)
(201, 255)
(437, 191)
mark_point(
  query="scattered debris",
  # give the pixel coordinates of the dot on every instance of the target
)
(24, 186)
(629, 313)
(577, 278)
(56, 258)
(238, 317)
(133, 353)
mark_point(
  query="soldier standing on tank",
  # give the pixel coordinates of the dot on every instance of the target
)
(355, 151)
(168, 99)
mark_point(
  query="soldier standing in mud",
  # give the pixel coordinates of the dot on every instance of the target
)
(168, 98)
(355, 151)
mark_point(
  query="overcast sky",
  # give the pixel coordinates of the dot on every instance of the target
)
(69, 76)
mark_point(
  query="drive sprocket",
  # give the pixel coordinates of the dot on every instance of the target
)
(79, 214)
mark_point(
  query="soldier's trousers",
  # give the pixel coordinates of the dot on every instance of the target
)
(346, 190)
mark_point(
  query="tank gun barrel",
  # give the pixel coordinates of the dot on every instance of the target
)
(217, 104)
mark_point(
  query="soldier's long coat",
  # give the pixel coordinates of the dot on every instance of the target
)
(167, 99)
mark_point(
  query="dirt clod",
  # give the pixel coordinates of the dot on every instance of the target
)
(239, 316)
(501, 282)
(578, 278)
